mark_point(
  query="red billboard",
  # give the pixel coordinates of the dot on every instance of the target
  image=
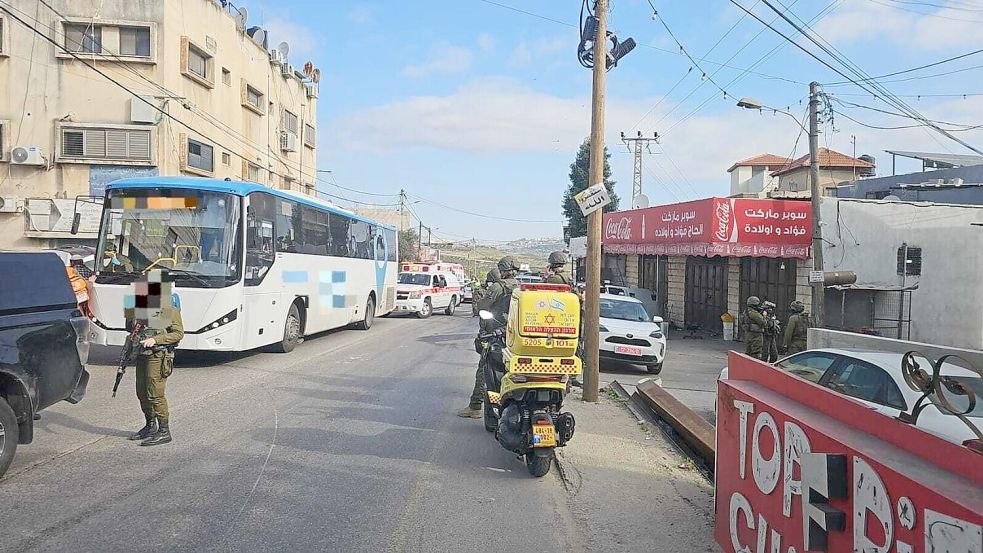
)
(801, 468)
(714, 226)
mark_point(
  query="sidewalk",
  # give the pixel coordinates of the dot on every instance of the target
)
(621, 475)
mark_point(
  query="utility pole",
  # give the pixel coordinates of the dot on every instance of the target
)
(818, 288)
(592, 307)
(635, 146)
(402, 209)
(419, 243)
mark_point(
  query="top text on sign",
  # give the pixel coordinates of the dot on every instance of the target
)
(593, 198)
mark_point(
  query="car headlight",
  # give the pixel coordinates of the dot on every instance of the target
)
(657, 333)
(602, 328)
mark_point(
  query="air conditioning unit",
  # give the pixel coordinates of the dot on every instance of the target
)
(956, 182)
(287, 70)
(26, 155)
(288, 141)
(311, 90)
(10, 204)
(276, 57)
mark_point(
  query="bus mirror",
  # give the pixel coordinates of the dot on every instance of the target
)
(76, 222)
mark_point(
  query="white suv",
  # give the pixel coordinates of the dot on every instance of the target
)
(423, 292)
(627, 333)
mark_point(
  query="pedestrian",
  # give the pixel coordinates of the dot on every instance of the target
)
(753, 325)
(479, 291)
(155, 362)
(796, 329)
(496, 299)
(557, 269)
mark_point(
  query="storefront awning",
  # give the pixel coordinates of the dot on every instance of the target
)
(730, 227)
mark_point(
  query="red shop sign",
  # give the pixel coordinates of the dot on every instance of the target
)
(800, 468)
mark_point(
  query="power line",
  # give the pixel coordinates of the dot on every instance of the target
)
(963, 127)
(931, 5)
(925, 14)
(482, 215)
(919, 68)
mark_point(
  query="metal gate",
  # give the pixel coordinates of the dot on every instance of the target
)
(706, 291)
(769, 279)
(653, 274)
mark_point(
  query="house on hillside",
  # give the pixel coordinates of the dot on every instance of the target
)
(752, 176)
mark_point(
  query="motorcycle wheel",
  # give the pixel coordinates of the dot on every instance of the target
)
(491, 421)
(538, 466)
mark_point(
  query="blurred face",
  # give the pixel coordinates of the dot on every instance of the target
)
(149, 302)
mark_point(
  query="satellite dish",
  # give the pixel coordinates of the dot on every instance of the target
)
(892, 198)
(641, 202)
(308, 68)
(259, 36)
(316, 76)
(241, 17)
(284, 49)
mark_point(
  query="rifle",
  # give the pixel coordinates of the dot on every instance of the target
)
(131, 347)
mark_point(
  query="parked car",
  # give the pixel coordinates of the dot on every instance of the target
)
(423, 292)
(875, 379)
(529, 278)
(467, 292)
(627, 333)
(43, 344)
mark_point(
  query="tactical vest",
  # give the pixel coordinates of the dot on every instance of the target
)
(501, 306)
(747, 325)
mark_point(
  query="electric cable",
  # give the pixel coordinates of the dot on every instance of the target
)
(913, 69)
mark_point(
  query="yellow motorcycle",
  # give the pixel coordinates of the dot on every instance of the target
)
(527, 363)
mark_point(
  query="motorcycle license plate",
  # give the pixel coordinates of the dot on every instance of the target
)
(543, 435)
(628, 350)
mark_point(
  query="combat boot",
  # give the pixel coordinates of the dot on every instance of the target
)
(470, 413)
(147, 431)
(162, 436)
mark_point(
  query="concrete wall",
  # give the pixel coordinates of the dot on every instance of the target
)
(744, 180)
(677, 288)
(631, 270)
(42, 89)
(796, 183)
(734, 306)
(891, 184)
(864, 236)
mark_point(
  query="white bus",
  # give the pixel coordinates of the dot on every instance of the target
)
(252, 266)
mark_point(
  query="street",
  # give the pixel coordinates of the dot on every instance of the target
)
(349, 443)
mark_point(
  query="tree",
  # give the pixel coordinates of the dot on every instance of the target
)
(409, 245)
(579, 177)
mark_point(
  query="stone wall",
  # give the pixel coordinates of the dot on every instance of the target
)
(677, 288)
(631, 270)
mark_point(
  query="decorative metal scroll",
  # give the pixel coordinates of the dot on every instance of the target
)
(941, 387)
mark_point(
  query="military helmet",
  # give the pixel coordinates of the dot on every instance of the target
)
(558, 258)
(493, 275)
(796, 307)
(507, 264)
(753, 301)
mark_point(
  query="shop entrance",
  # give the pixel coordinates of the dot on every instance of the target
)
(769, 279)
(706, 292)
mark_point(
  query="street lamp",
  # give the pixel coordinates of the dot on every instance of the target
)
(751, 103)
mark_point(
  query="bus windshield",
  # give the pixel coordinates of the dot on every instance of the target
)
(193, 233)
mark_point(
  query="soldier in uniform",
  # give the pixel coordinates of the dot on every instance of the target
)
(557, 269)
(496, 298)
(478, 292)
(753, 325)
(796, 329)
(114, 262)
(769, 352)
(155, 363)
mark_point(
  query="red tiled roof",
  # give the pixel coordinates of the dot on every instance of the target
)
(762, 160)
(827, 159)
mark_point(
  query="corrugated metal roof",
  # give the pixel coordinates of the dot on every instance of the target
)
(940, 160)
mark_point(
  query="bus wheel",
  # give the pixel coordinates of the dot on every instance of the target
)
(366, 323)
(291, 331)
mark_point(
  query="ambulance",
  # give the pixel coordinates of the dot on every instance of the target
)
(423, 288)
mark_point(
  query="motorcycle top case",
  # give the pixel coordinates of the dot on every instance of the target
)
(543, 321)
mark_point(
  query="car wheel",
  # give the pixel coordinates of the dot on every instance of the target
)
(451, 306)
(426, 310)
(9, 432)
(654, 369)
(291, 331)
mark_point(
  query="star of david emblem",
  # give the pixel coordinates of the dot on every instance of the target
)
(549, 319)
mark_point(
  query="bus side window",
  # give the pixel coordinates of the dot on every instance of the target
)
(259, 237)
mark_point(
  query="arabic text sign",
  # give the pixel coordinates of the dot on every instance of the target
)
(593, 198)
(771, 221)
(799, 466)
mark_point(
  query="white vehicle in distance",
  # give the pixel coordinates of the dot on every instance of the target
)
(529, 278)
(421, 291)
(644, 295)
(875, 379)
(628, 334)
(467, 291)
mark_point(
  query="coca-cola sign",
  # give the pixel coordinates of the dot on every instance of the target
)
(618, 229)
(722, 212)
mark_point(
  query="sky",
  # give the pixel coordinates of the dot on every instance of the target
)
(475, 106)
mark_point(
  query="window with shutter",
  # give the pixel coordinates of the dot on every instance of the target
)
(310, 135)
(289, 122)
(105, 144)
(83, 38)
(134, 41)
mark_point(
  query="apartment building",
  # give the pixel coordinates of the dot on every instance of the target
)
(94, 91)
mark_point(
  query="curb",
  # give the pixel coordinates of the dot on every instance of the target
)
(698, 434)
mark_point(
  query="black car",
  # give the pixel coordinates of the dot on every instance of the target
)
(43, 344)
